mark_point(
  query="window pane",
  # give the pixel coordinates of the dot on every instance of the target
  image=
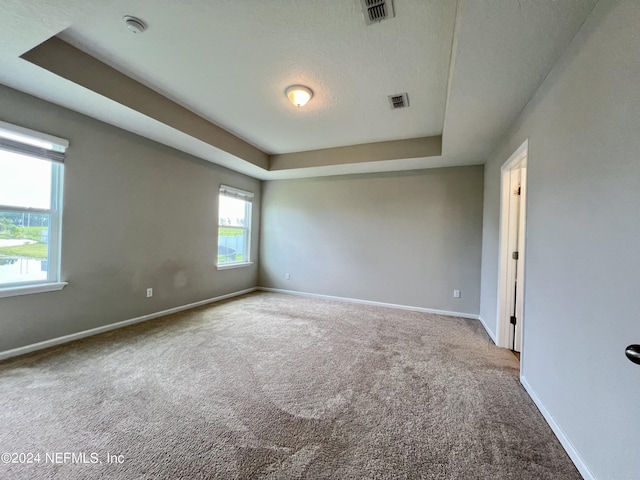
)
(234, 219)
(231, 245)
(24, 181)
(233, 211)
(24, 247)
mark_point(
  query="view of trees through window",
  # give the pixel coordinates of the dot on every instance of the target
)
(233, 230)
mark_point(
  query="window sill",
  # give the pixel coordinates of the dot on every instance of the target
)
(30, 289)
(234, 265)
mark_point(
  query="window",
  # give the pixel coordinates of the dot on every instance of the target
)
(31, 176)
(234, 227)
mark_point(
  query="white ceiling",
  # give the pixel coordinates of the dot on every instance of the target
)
(469, 66)
(231, 61)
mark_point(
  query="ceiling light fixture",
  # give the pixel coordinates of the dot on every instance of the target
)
(135, 25)
(299, 95)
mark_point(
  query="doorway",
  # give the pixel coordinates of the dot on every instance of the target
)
(512, 250)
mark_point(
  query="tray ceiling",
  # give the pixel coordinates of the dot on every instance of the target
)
(468, 66)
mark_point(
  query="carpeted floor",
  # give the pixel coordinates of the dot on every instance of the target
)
(274, 386)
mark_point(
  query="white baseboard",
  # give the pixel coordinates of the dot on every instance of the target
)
(369, 302)
(489, 332)
(112, 326)
(557, 430)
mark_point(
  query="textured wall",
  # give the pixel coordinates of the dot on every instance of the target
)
(406, 238)
(136, 214)
(581, 282)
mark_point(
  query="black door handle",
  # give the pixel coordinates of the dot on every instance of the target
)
(633, 353)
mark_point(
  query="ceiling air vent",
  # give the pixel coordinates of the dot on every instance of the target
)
(377, 10)
(399, 100)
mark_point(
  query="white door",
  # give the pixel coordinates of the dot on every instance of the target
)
(519, 193)
(521, 253)
(514, 269)
(512, 226)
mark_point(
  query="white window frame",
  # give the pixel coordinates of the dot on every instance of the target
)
(247, 197)
(43, 147)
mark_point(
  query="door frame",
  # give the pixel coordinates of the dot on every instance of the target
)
(518, 160)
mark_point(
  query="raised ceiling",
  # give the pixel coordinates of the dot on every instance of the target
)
(208, 77)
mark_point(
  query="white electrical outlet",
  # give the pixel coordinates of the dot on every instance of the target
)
(149, 292)
(456, 294)
(287, 276)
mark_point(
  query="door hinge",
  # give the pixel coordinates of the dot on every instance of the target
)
(513, 320)
(515, 255)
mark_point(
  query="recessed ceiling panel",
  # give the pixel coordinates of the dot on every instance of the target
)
(231, 61)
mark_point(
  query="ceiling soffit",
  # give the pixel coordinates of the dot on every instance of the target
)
(64, 60)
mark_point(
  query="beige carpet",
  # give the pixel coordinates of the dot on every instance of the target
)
(277, 387)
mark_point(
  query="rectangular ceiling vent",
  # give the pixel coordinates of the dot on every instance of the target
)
(377, 10)
(399, 100)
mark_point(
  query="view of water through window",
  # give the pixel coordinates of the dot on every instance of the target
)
(24, 247)
(25, 196)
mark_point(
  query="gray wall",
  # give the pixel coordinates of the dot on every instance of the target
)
(581, 299)
(406, 238)
(136, 214)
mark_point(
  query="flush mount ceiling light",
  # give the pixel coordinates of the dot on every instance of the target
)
(299, 95)
(135, 25)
